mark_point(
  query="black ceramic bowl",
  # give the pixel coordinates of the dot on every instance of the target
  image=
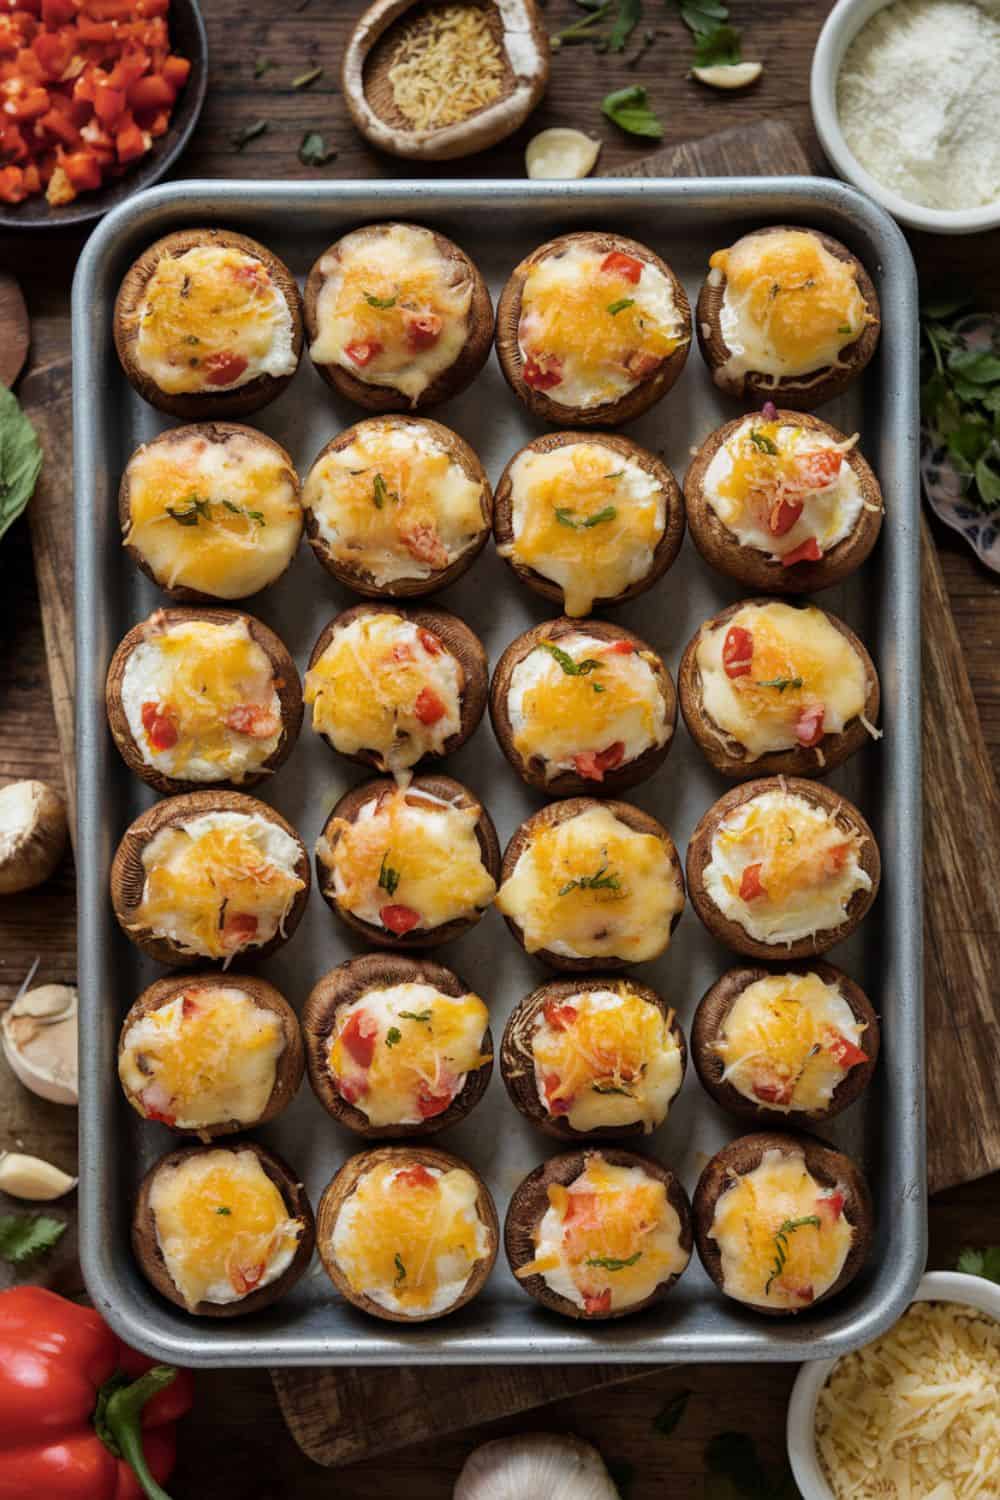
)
(188, 39)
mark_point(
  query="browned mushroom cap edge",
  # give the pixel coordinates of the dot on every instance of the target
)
(351, 981)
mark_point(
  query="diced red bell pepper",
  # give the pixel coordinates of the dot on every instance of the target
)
(422, 542)
(351, 1089)
(13, 147)
(176, 71)
(109, 104)
(808, 552)
(150, 92)
(617, 263)
(430, 1104)
(95, 31)
(835, 859)
(592, 764)
(737, 652)
(245, 1277)
(12, 185)
(830, 1207)
(750, 883)
(399, 919)
(84, 171)
(189, 1007)
(416, 1176)
(159, 723)
(554, 1102)
(430, 642)
(559, 1015)
(641, 365)
(845, 1053)
(596, 1303)
(783, 516)
(30, 105)
(238, 930)
(429, 707)
(254, 720)
(773, 1090)
(809, 725)
(361, 352)
(65, 132)
(544, 373)
(54, 50)
(224, 368)
(620, 648)
(58, 12)
(130, 143)
(358, 1038)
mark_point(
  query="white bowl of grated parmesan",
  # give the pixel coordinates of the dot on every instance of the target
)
(905, 96)
(914, 1415)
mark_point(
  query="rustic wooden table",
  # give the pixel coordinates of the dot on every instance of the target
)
(235, 1446)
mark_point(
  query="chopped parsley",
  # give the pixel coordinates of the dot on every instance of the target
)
(381, 492)
(609, 1262)
(845, 328)
(190, 511)
(601, 880)
(314, 152)
(305, 79)
(781, 683)
(616, 474)
(224, 1211)
(416, 1015)
(763, 442)
(400, 1270)
(614, 308)
(242, 510)
(781, 1245)
(249, 133)
(565, 517)
(383, 302)
(388, 878)
(612, 1088)
(262, 66)
(570, 667)
(392, 1036)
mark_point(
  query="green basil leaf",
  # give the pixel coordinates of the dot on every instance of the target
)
(629, 12)
(20, 459)
(629, 109)
(718, 47)
(988, 477)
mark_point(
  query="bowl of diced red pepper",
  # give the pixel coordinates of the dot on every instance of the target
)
(97, 99)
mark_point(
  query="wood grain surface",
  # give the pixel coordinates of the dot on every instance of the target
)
(235, 1446)
(14, 330)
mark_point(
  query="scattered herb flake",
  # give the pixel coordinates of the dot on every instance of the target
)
(261, 66)
(20, 459)
(380, 491)
(388, 878)
(582, 30)
(611, 1088)
(610, 1263)
(844, 328)
(566, 517)
(763, 442)
(400, 1270)
(382, 302)
(629, 109)
(599, 881)
(415, 1015)
(314, 152)
(392, 1036)
(224, 1211)
(614, 308)
(570, 667)
(781, 683)
(781, 1245)
(23, 1236)
(249, 133)
(305, 79)
(195, 509)
(668, 1418)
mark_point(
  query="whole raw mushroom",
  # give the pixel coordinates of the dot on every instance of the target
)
(33, 831)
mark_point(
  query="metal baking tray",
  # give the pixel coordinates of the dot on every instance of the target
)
(498, 222)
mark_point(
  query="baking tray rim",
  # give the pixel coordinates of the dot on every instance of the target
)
(154, 211)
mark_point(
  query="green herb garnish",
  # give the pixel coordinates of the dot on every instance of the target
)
(614, 308)
(23, 1236)
(781, 683)
(249, 133)
(379, 301)
(617, 474)
(242, 510)
(763, 442)
(599, 881)
(224, 1211)
(960, 397)
(609, 1263)
(781, 1245)
(400, 1270)
(582, 30)
(381, 492)
(570, 667)
(626, 21)
(392, 1036)
(630, 111)
(415, 1015)
(305, 79)
(611, 1088)
(388, 878)
(314, 151)
(195, 509)
(261, 66)
(20, 459)
(565, 518)
(845, 328)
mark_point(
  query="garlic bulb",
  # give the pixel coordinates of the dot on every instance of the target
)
(33, 833)
(561, 153)
(31, 1178)
(543, 1464)
(40, 1043)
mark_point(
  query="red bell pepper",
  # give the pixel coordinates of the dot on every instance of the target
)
(82, 1416)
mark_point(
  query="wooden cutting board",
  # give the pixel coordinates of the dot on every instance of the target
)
(341, 1416)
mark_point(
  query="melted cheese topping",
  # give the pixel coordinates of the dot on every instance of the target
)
(608, 1240)
(800, 664)
(219, 517)
(409, 851)
(809, 868)
(755, 491)
(207, 1057)
(591, 887)
(214, 686)
(606, 1058)
(213, 319)
(593, 331)
(782, 1237)
(789, 1041)
(222, 1226)
(604, 715)
(789, 305)
(915, 1413)
(219, 884)
(586, 518)
(410, 1238)
(393, 503)
(386, 685)
(401, 1055)
(392, 309)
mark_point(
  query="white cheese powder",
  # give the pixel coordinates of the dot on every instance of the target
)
(918, 99)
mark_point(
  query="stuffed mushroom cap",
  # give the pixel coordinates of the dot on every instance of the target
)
(598, 1234)
(407, 1233)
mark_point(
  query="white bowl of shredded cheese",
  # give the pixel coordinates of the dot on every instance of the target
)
(905, 98)
(914, 1415)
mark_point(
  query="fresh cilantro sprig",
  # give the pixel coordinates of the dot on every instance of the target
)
(984, 1263)
(960, 397)
(23, 1236)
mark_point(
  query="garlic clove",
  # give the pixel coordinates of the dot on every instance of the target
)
(729, 75)
(535, 1463)
(39, 1035)
(31, 1178)
(561, 153)
(33, 832)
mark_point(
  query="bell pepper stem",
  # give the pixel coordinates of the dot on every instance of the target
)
(121, 1416)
